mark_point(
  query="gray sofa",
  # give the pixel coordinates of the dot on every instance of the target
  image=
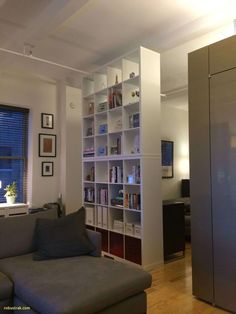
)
(81, 284)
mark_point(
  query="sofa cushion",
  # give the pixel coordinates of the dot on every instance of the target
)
(83, 284)
(62, 237)
(11, 228)
(6, 287)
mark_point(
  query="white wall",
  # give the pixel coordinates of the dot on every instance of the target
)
(174, 127)
(46, 96)
(39, 96)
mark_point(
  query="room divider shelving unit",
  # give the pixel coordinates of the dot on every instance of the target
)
(121, 157)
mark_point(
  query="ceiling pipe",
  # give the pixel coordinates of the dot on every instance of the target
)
(30, 56)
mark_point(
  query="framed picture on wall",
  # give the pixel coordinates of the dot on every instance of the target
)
(47, 121)
(47, 169)
(167, 156)
(47, 145)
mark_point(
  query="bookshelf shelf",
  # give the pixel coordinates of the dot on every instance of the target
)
(102, 113)
(115, 109)
(119, 108)
(131, 129)
(90, 116)
(130, 104)
(90, 136)
(104, 134)
(132, 80)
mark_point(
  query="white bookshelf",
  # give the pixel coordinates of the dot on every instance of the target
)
(121, 157)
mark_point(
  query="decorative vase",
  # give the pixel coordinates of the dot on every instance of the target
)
(11, 199)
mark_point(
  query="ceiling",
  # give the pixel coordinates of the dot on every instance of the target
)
(85, 34)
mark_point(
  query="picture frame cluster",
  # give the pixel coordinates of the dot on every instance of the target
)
(47, 145)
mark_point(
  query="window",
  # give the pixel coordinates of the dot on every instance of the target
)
(13, 150)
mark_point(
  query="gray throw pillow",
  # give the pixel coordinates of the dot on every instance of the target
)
(63, 237)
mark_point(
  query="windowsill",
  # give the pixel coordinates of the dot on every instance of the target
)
(4, 205)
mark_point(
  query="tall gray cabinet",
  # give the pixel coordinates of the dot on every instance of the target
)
(212, 121)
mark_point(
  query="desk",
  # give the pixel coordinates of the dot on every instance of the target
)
(7, 210)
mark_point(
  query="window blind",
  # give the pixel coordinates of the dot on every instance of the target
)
(13, 150)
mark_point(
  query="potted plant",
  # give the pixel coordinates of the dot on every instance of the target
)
(11, 193)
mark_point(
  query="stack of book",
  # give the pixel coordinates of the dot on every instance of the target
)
(116, 174)
(102, 217)
(88, 152)
(132, 201)
(102, 196)
(89, 194)
(102, 106)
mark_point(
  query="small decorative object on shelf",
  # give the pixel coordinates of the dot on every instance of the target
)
(11, 193)
(91, 108)
(132, 75)
(116, 81)
(135, 93)
(102, 128)
(102, 151)
(133, 176)
(118, 200)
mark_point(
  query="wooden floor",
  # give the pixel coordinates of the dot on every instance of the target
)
(171, 291)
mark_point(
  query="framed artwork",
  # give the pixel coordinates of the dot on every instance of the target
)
(47, 145)
(167, 156)
(47, 169)
(47, 121)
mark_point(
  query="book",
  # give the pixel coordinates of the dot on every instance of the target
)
(105, 217)
(99, 216)
(89, 215)
(102, 106)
